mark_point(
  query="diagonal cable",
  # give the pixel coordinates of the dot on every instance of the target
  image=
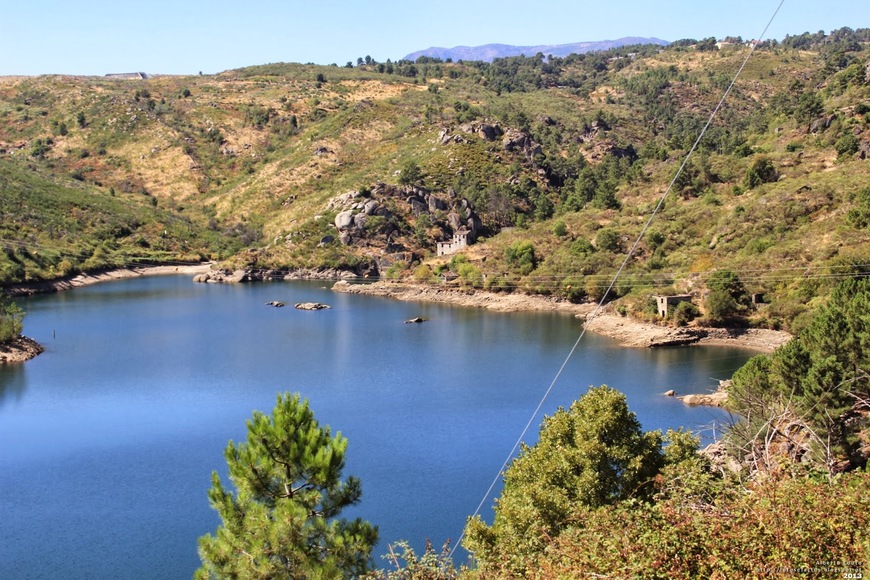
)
(616, 276)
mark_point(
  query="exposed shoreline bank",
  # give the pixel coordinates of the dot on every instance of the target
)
(50, 286)
(628, 332)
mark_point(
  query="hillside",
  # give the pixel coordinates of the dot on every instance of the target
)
(552, 167)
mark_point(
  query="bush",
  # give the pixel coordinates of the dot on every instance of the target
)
(608, 240)
(684, 313)
(760, 171)
(521, 256)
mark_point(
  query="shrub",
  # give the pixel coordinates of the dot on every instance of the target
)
(760, 171)
(520, 255)
(608, 240)
(684, 313)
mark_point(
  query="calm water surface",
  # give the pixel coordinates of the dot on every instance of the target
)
(108, 439)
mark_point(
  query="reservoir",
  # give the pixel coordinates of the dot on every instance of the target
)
(109, 438)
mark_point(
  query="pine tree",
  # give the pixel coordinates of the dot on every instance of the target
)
(282, 521)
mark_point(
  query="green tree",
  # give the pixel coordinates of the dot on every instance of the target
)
(727, 299)
(821, 376)
(591, 455)
(11, 317)
(282, 521)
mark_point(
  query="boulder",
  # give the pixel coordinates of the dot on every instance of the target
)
(275, 303)
(416, 320)
(344, 220)
(371, 207)
(670, 393)
(311, 306)
(716, 399)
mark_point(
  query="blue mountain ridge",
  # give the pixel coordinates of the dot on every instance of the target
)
(489, 52)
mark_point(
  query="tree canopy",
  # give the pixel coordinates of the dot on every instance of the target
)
(592, 454)
(282, 521)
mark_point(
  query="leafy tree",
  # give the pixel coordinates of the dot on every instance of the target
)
(727, 299)
(591, 455)
(282, 521)
(809, 107)
(10, 319)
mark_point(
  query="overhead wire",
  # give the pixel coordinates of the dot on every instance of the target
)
(616, 276)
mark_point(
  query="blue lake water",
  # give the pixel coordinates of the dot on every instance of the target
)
(108, 439)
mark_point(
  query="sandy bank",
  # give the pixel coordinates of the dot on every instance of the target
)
(633, 333)
(88, 279)
(472, 299)
(627, 331)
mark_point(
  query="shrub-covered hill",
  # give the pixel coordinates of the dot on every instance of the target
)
(554, 164)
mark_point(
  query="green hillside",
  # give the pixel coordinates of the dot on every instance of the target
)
(555, 164)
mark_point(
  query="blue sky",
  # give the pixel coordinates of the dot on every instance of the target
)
(95, 37)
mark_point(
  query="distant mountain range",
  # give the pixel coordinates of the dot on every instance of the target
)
(488, 52)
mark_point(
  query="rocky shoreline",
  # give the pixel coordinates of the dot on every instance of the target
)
(628, 332)
(19, 349)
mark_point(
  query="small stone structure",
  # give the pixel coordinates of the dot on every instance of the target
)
(664, 303)
(137, 76)
(460, 241)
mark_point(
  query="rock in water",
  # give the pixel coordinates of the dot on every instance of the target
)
(310, 306)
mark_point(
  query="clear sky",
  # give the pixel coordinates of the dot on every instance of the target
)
(95, 37)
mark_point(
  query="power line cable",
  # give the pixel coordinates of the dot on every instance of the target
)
(616, 277)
